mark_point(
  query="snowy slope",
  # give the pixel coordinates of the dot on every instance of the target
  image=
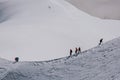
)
(99, 63)
(47, 29)
(105, 9)
(4, 67)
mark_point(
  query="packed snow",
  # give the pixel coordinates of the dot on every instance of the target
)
(105, 9)
(99, 63)
(47, 29)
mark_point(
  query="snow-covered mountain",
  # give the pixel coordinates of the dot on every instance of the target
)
(99, 63)
(105, 9)
(47, 29)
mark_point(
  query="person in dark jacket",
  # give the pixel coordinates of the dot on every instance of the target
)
(101, 40)
(16, 59)
(71, 52)
(79, 50)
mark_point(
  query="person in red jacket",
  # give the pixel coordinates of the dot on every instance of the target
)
(76, 50)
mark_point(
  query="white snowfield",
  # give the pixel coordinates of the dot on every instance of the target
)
(105, 9)
(47, 29)
(99, 63)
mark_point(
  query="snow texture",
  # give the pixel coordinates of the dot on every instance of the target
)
(48, 29)
(99, 63)
(105, 9)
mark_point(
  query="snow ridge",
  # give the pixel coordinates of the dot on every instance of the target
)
(99, 63)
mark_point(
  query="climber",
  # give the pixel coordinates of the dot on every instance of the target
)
(70, 52)
(16, 59)
(76, 50)
(79, 50)
(101, 40)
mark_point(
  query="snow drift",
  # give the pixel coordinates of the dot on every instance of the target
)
(99, 63)
(105, 9)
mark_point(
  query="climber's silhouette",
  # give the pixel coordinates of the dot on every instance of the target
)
(16, 59)
(101, 40)
(79, 50)
(70, 52)
(76, 50)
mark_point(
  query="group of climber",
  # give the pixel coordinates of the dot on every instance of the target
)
(78, 50)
